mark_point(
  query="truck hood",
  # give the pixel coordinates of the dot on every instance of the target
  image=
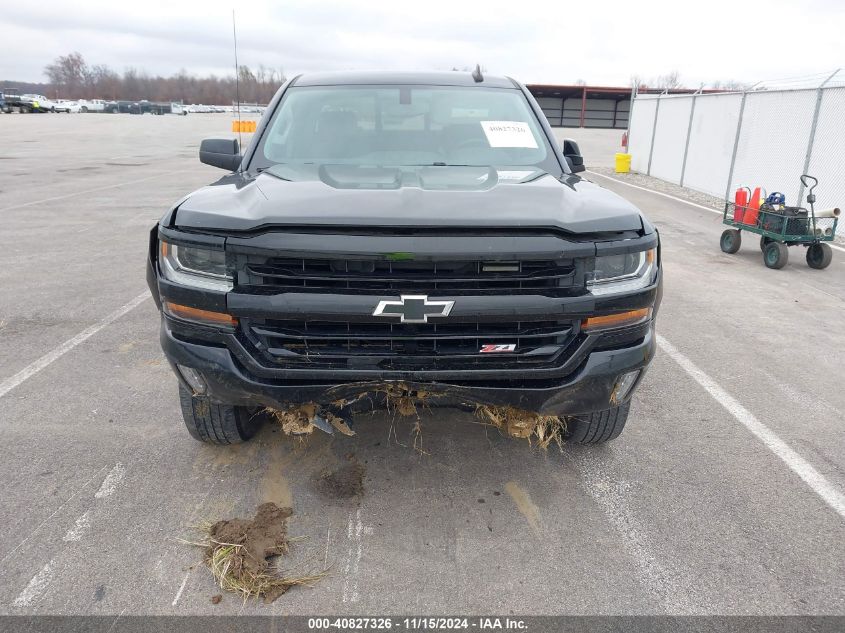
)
(428, 196)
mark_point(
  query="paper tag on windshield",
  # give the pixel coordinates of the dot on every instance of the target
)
(508, 134)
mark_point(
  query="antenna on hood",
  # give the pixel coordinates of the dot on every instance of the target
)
(476, 74)
(237, 80)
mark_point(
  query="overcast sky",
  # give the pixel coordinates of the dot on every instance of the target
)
(599, 41)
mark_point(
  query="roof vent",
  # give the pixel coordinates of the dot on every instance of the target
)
(476, 74)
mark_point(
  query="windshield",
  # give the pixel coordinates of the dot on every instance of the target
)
(404, 126)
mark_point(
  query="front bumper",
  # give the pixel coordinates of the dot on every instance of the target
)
(590, 386)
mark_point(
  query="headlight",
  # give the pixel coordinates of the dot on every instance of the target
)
(195, 266)
(623, 273)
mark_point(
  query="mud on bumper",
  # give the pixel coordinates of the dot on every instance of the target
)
(592, 384)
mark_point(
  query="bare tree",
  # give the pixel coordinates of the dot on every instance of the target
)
(669, 81)
(730, 85)
(638, 82)
(68, 74)
(71, 77)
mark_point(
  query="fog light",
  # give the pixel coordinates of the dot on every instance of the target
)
(624, 385)
(193, 378)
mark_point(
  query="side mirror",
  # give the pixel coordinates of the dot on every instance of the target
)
(221, 152)
(573, 157)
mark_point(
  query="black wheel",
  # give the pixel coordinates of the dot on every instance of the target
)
(819, 256)
(216, 423)
(763, 241)
(731, 241)
(597, 427)
(84, 108)
(775, 255)
(115, 110)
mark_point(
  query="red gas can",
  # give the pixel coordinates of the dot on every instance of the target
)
(740, 202)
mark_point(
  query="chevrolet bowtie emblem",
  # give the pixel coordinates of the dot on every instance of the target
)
(413, 308)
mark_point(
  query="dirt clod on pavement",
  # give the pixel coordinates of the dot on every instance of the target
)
(237, 553)
(343, 483)
(216, 599)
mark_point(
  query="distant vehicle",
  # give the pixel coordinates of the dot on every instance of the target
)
(68, 106)
(12, 101)
(92, 105)
(40, 103)
(145, 107)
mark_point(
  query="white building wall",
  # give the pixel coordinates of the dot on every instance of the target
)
(642, 124)
(672, 124)
(711, 143)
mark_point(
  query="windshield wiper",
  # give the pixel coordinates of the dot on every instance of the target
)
(439, 164)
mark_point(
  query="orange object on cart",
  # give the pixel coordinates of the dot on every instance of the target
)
(753, 209)
(740, 203)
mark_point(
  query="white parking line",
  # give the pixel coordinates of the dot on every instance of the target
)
(801, 467)
(181, 588)
(676, 199)
(55, 512)
(36, 587)
(659, 193)
(111, 481)
(82, 193)
(33, 368)
(78, 530)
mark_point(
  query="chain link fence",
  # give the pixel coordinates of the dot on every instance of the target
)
(768, 137)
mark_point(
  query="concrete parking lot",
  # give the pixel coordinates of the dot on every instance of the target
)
(724, 495)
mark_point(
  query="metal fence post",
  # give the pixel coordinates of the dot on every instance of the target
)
(686, 146)
(653, 132)
(736, 146)
(812, 139)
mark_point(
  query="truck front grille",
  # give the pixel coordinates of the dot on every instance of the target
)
(275, 275)
(349, 344)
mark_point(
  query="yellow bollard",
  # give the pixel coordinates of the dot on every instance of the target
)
(623, 163)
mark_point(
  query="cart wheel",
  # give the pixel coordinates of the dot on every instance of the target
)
(819, 256)
(731, 241)
(763, 241)
(776, 255)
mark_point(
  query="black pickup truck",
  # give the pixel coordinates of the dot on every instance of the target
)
(418, 231)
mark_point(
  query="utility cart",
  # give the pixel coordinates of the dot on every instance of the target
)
(780, 226)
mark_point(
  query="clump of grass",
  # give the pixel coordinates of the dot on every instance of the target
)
(296, 420)
(544, 429)
(226, 563)
(237, 553)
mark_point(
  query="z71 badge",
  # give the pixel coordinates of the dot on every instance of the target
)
(501, 347)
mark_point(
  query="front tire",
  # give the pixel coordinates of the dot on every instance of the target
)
(597, 427)
(216, 423)
(819, 256)
(731, 241)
